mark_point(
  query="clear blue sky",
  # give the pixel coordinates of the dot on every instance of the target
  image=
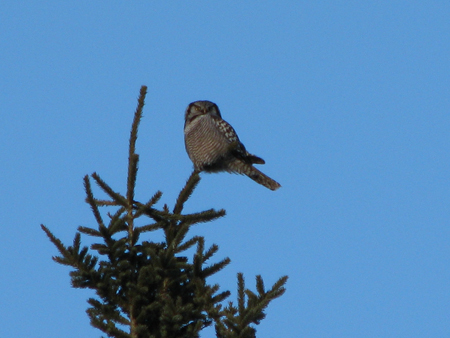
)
(347, 101)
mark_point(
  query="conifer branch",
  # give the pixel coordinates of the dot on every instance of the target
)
(150, 227)
(214, 268)
(118, 198)
(61, 248)
(103, 203)
(221, 296)
(118, 222)
(186, 192)
(155, 198)
(241, 293)
(180, 234)
(89, 231)
(211, 251)
(133, 158)
(188, 244)
(250, 309)
(200, 217)
(260, 285)
(203, 217)
(91, 201)
(132, 175)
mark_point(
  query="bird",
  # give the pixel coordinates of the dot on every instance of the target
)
(213, 145)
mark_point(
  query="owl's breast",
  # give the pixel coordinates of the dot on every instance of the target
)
(205, 143)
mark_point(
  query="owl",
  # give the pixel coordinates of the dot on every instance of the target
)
(213, 145)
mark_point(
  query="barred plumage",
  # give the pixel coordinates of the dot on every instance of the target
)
(213, 145)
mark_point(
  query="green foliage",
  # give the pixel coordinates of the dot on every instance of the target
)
(238, 319)
(151, 289)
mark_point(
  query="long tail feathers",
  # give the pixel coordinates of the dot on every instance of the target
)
(241, 167)
(263, 179)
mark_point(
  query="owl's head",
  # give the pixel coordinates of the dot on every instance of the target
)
(199, 108)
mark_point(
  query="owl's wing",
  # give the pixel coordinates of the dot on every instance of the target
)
(255, 159)
(236, 146)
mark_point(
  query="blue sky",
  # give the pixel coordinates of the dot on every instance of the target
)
(347, 101)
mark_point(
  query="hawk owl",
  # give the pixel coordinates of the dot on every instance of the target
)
(213, 145)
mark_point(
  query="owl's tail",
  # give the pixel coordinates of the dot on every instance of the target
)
(256, 175)
(263, 179)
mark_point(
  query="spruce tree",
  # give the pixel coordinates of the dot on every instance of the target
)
(148, 289)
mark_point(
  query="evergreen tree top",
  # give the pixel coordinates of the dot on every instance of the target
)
(148, 289)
